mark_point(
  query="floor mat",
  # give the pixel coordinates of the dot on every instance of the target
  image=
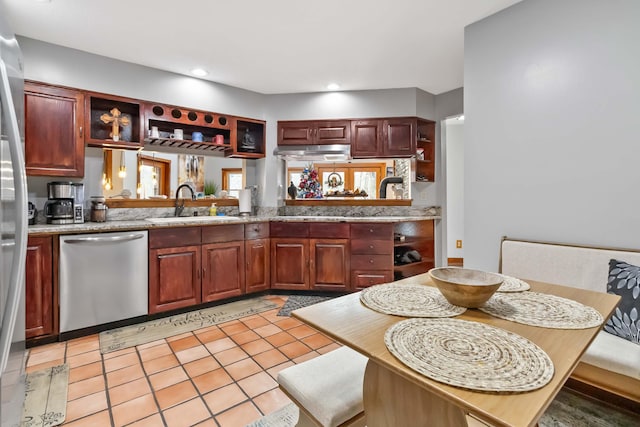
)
(298, 301)
(45, 402)
(142, 333)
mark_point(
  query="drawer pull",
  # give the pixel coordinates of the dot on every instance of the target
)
(371, 230)
(370, 246)
(370, 261)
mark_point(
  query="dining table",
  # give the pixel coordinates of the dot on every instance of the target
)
(395, 394)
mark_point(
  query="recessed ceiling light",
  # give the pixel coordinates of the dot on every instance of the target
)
(333, 86)
(199, 72)
(43, 1)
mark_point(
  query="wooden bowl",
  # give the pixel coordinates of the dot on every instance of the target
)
(465, 287)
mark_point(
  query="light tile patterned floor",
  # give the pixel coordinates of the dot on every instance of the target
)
(222, 376)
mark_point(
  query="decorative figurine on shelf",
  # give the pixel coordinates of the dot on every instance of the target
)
(293, 191)
(248, 141)
(310, 187)
(116, 120)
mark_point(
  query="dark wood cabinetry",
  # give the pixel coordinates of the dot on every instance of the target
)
(381, 138)
(314, 132)
(257, 252)
(39, 287)
(191, 265)
(310, 256)
(419, 237)
(371, 254)
(54, 144)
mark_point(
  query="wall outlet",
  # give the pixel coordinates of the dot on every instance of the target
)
(459, 244)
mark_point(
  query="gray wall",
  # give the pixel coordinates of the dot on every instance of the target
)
(551, 145)
(454, 171)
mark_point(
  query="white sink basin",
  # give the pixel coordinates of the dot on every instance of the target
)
(186, 219)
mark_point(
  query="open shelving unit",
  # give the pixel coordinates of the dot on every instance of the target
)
(425, 141)
(418, 236)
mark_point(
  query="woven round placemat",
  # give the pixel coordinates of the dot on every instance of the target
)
(470, 355)
(513, 284)
(409, 300)
(537, 309)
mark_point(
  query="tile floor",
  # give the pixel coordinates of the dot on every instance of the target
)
(223, 375)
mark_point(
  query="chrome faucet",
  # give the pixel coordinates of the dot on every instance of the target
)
(180, 206)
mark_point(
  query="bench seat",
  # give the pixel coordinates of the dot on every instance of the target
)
(328, 387)
(610, 363)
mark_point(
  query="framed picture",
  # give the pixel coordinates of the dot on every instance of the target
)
(191, 170)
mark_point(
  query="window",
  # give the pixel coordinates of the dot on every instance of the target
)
(232, 181)
(352, 176)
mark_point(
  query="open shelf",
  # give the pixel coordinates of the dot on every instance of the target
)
(187, 144)
(425, 137)
(99, 133)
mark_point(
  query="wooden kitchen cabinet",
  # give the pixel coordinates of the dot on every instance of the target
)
(223, 270)
(192, 265)
(174, 278)
(314, 132)
(257, 250)
(425, 150)
(310, 256)
(39, 287)
(371, 254)
(54, 144)
(393, 137)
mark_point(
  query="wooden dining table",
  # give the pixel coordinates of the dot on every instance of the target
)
(395, 395)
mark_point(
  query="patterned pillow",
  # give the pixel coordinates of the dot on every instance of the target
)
(624, 280)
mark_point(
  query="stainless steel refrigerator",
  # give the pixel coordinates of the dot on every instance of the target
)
(13, 228)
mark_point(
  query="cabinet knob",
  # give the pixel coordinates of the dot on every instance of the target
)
(370, 246)
(370, 261)
(371, 230)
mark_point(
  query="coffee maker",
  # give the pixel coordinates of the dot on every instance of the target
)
(65, 204)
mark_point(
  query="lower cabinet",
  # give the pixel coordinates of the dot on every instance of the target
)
(257, 253)
(39, 317)
(371, 254)
(310, 256)
(191, 265)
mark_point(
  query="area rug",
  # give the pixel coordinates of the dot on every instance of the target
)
(567, 410)
(295, 302)
(45, 402)
(142, 333)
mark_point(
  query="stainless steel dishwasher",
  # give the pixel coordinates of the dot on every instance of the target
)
(103, 278)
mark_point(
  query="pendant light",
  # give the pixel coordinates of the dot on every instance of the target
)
(122, 170)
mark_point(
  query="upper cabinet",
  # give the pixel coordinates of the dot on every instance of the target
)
(54, 144)
(113, 121)
(314, 132)
(393, 137)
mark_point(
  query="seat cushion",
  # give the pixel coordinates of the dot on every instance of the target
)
(614, 354)
(329, 386)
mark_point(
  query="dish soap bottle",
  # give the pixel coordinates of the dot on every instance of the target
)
(213, 211)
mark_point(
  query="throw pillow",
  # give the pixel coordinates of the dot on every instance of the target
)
(624, 280)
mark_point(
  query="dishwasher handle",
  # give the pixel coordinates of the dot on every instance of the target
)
(105, 239)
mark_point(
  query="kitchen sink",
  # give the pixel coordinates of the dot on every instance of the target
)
(186, 219)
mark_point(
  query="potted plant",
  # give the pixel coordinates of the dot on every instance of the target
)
(210, 188)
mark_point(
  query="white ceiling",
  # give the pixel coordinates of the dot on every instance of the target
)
(277, 46)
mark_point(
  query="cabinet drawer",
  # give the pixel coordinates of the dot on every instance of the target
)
(222, 233)
(368, 246)
(171, 237)
(289, 229)
(364, 279)
(335, 230)
(258, 230)
(371, 262)
(376, 230)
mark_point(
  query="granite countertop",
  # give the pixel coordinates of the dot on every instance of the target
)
(142, 224)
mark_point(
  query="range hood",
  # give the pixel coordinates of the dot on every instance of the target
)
(334, 152)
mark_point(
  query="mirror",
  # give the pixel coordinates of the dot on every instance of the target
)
(156, 175)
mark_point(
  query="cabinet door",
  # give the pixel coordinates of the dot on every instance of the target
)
(174, 278)
(366, 138)
(289, 263)
(295, 133)
(329, 267)
(332, 132)
(54, 143)
(257, 257)
(39, 287)
(399, 137)
(222, 270)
